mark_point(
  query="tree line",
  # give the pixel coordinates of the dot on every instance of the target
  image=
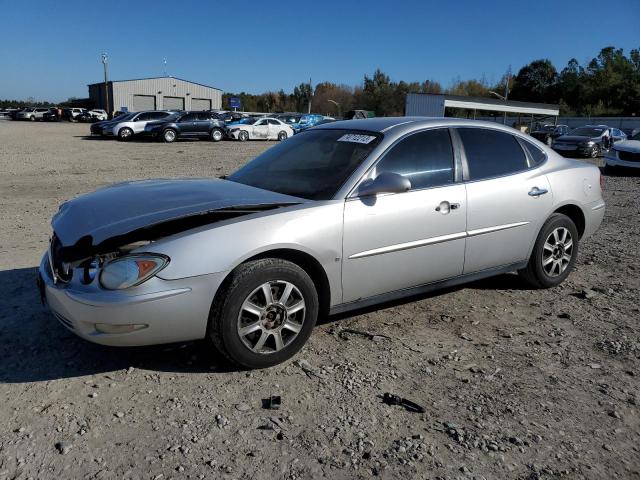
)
(609, 84)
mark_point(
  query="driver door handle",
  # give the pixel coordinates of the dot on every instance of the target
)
(536, 192)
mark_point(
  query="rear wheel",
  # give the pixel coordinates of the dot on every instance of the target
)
(282, 136)
(169, 135)
(217, 135)
(125, 134)
(549, 141)
(32, 118)
(264, 314)
(554, 253)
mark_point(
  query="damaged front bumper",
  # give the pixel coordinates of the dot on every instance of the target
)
(155, 312)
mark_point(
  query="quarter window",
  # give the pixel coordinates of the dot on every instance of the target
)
(425, 158)
(537, 155)
(491, 153)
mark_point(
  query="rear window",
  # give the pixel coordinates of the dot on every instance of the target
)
(491, 153)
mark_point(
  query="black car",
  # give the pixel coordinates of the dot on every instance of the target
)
(51, 115)
(187, 125)
(588, 141)
(547, 133)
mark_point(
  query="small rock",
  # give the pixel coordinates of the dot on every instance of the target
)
(63, 447)
(588, 293)
(242, 407)
(595, 366)
(615, 414)
(93, 395)
(119, 414)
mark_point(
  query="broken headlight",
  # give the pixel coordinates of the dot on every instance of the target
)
(131, 270)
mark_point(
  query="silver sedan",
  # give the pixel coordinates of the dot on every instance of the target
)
(342, 216)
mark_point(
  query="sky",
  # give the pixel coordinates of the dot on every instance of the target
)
(50, 50)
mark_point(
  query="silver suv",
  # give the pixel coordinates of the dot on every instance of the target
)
(32, 114)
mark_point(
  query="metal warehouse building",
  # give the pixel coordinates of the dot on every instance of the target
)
(157, 93)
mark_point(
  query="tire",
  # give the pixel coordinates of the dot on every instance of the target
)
(216, 135)
(550, 248)
(282, 136)
(265, 322)
(169, 135)
(32, 118)
(595, 151)
(125, 134)
(243, 136)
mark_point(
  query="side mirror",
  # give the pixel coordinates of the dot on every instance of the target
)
(386, 182)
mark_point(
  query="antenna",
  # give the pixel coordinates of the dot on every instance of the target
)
(165, 66)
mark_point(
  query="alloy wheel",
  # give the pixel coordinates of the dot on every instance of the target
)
(557, 252)
(169, 135)
(271, 317)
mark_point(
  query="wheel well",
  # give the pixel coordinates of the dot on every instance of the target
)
(309, 265)
(575, 214)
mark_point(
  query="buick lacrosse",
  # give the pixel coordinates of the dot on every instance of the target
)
(341, 216)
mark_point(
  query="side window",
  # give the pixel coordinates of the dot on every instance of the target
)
(425, 158)
(491, 153)
(144, 117)
(190, 117)
(260, 122)
(537, 155)
(274, 122)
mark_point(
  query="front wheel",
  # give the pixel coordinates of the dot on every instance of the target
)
(264, 314)
(216, 135)
(32, 118)
(595, 151)
(169, 135)
(554, 253)
(125, 134)
(243, 136)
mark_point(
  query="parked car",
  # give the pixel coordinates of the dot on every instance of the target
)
(85, 117)
(105, 127)
(126, 127)
(588, 141)
(188, 125)
(307, 121)
(98, 114)
(339, 217)
(70, 114)
(260, 129)
(547, 133)
(289, 118)
(51, 115)
(31, 114)
(625, 153)
(14, 113)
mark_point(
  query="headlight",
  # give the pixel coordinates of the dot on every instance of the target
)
(590, 143)
(131, 270)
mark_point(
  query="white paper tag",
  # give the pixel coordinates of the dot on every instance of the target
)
(356, 138)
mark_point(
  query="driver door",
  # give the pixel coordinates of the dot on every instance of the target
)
(261, 129)
(401, 240)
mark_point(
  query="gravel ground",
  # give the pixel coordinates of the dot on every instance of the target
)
(516, 383)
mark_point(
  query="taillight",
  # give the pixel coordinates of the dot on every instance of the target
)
(601, 182)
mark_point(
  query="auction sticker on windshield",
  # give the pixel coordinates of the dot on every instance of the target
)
(355, 138)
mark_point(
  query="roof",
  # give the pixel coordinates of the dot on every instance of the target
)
(384, 124)
(492, 104)
(154, 78)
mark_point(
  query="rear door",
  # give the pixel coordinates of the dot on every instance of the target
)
(186, 125)
(275, 127)
(507, 195)
(202, 124)
(397, 241)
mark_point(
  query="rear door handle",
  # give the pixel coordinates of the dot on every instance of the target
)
(536, 192)
(445, 207)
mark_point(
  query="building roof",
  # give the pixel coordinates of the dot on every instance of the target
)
(155, 78)
(492, 104)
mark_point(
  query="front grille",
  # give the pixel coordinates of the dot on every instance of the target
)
(64, 321)
(629, 156)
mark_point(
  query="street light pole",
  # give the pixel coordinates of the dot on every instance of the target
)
(106, 89)
(337, 105)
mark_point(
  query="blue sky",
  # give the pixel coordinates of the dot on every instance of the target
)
(50, 49)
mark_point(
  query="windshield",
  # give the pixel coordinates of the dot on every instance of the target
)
(312, 164)
(587, 131)
(636, 136)
(546, 128)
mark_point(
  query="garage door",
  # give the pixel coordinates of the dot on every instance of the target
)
(200, 104)
(144, 102)
(173, 103)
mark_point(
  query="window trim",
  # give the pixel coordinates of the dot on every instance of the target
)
(465, 162)
(353, 193)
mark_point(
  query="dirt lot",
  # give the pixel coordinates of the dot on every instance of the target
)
(516, 383)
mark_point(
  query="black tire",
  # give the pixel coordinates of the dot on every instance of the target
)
(224, 316)
(216, 135)
(596, 151)
(282, 136)
(32, 118)
(534, 273)
(243, 136)
(125, 134)
(169, 135)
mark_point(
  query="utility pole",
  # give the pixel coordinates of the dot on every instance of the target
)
(506, 93)
(310, 94)
(106, 89)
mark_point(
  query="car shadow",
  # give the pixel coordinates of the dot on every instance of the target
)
(620, 172)
(35, 347)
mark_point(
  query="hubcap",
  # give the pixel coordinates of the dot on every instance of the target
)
(169, 135)
(271, 317)
(217, 135)
(125, 133)
(557, 252)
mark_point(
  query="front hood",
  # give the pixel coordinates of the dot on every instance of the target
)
(628, 146)
(123, 208)
(574, 139)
